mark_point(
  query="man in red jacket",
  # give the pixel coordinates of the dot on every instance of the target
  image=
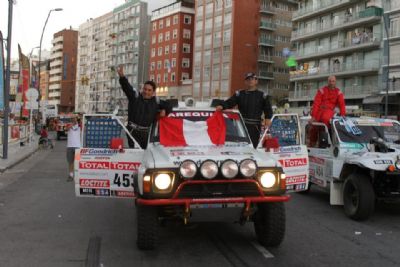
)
(326, 100)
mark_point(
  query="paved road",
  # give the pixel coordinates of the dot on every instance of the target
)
(43, 224)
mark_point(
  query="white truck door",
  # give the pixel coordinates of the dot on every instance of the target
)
(291, 153)
(105, 166)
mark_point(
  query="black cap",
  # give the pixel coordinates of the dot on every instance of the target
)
(250, 75)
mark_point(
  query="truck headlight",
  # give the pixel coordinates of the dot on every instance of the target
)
(209, 169)
(268, 179)
(248, 167)
(162, 181)
(188, 169)
(229, 169)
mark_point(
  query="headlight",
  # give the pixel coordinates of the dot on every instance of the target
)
(188, 169)
(229, 169)
(267, 179)
(248, 167)
(209, 169)
(162, 181)
(397, 164)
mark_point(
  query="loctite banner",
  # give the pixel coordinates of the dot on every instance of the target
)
(2, 84)
(24, 69)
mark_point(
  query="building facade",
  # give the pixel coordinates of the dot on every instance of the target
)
(171, 49)
(63, 63)
(341, 38)
(234, 37)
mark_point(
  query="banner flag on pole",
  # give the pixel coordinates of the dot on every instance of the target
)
(24, 74)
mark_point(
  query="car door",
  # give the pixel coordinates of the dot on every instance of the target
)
(289, 150)
(104, 165)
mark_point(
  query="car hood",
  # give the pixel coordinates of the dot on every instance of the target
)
(171, 157)
(373, 160)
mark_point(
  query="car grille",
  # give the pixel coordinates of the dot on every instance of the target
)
(218, 190)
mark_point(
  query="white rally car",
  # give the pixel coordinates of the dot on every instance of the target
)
(196, 182)
(357, 162)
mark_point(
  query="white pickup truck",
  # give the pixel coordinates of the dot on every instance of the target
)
(195, 182)
(357, 161)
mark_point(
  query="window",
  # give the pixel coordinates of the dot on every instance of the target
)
(186, 34)
(154, 26)
(166, 49)
(152, 77)
(167, 22)
(173, 63)
(185, 76)
(165, 77)
(159, 65)
(158, 78)
(153, 66)
(174, 48)
(153, 39)
(161, 24)
(173, 77)
(160, 51)
(166, 64)
(186, 48)
(175, 34)
(167, 36)
(175, 20)
(187, 19)
(185, 63)
(160, 37)
(153, 52)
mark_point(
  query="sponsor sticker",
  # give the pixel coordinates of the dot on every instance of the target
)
(119, 193)
(94, 183)
(129, 166)
(93, 165)
(296, 162)
(98, 151)
(383, 161)
(296, 179)
(316, 160)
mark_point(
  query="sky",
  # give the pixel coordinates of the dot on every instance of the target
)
(29, 17)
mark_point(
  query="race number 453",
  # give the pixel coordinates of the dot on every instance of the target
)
(123, 180)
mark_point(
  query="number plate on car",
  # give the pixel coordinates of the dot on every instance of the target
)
(217, 205)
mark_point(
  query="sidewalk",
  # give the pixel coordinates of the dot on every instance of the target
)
(17, 153)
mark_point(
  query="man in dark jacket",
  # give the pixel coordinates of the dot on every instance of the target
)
(251, 103)
(143, 108)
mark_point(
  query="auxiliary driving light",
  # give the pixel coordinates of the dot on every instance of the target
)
(162, 181)
(209, 169)
(229, 169)
(397, 164)
(188, 169)
(248, 167)
(267, 179)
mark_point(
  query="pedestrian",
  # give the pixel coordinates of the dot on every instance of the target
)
(252, 103)
(143, 108)
(73, 142)
(326, 100)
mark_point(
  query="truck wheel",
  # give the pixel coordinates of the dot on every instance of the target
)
(270, 224)
(147, 226)
(358, 197)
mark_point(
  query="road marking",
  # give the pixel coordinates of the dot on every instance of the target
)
(262, 250)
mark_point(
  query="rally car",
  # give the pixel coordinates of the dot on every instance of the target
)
(357, 161)
(62, 124)
(199, 165)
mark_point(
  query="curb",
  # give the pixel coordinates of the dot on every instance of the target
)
(17, 161)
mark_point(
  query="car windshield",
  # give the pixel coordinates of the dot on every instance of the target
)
(235, 129)
(388, 131)
(66, 120)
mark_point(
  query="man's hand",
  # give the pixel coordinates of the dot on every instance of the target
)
(267, 123)
(163, 113)
(219, 108)
(120, 71)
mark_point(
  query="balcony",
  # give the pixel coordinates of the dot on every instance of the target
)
(55, 78)
(55, 71)
(58, 39)
(342, 70)
(364, 43)
(268, 25)
(55, 86)
(267, 9)
(265, 75)
(265, 58)
(55, 63)
(323, 6)
(56, 55)
(266, 42)
(341, 23)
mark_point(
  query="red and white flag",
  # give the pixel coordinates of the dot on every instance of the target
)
(182, 132)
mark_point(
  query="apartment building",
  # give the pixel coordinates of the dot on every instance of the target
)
(235, 37)
(93, 80)
(63, 62)
(129, 46)
(171, 49)
(341, 38)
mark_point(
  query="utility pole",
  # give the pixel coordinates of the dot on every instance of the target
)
(7, 87)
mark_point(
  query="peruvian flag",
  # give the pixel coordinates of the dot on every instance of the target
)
(182, 132)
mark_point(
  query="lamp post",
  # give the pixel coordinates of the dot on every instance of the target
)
(31, 67)
(386, 22)
(40, 47)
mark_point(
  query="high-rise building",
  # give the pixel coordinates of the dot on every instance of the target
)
(171, 49)
(63, 62)
(341, 38)
(93, 79)
(234, 37)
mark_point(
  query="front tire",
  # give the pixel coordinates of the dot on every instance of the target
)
(358, 197)
(270, 224)
(147, 227)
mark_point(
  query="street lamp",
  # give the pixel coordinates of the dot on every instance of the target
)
(31, 66)
(40, 46)
(386, 22)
